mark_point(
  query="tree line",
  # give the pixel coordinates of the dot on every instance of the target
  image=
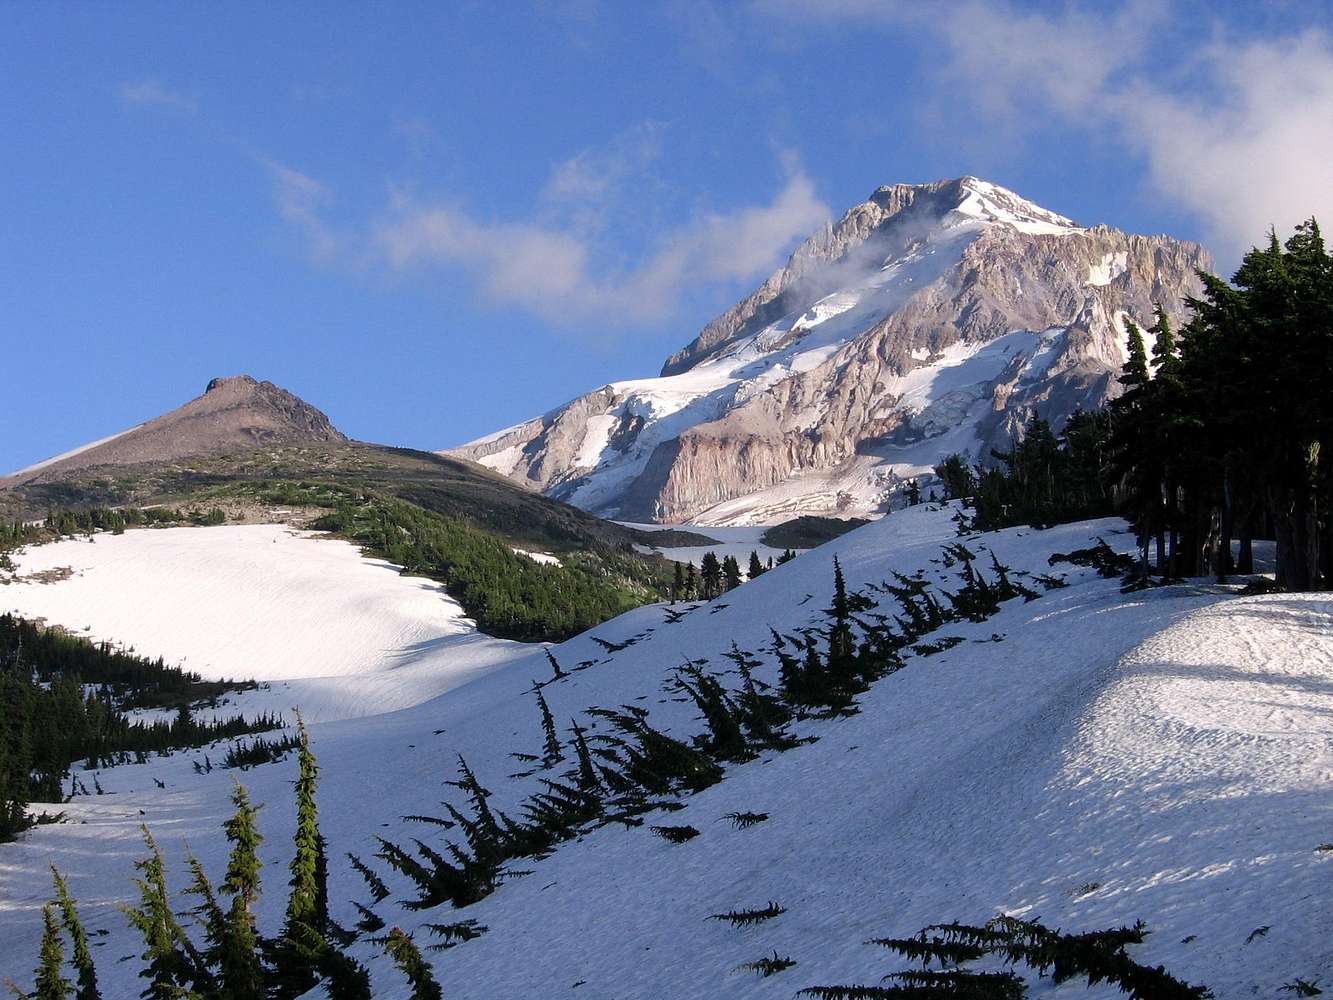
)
(62, 700)
(1221, 435)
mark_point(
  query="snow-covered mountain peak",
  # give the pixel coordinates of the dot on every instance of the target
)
(992, 203)
(929, 319)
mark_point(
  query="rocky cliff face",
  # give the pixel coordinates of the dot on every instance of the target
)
(930, 319)
(234, 414)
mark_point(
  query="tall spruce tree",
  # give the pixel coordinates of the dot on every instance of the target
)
(731, 573)
(51, 981)
(167, 967)
(242, 974)
(82, 955)
(710, 576)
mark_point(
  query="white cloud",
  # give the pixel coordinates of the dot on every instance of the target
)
(553, 272)
(1236, 131)
(152, 93)
(301, 200)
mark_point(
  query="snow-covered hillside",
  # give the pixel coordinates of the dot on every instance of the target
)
(1088, 757)
(329, 629)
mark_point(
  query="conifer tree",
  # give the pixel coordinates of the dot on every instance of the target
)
(51, 983)
(242, 974)
(551, 750)
(168, 969)
(678, 583)
(82, 955)
(756, 567)
(302, 947)
(710, 576)
(731, 573)
(691, 583)
(407, 956)
(307, 903)
(842, 666)
(556, 670)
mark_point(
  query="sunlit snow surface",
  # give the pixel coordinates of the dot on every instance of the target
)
(339, 634)
(1089, 758)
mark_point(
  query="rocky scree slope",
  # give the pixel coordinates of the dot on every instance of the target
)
(931, 318)
(234, 414)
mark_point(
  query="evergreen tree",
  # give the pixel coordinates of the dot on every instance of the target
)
(678, 583)
(168, 969)
(956, 475)
(242, 975)
(407, 956)
(556, 671)
(756, 567)
(306, 921)
(82, 955)
(51, 983)
(691, 583)
(913, 492)
(731, 573)
(551, 750)
(710, 576)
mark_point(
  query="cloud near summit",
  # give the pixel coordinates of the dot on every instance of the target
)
(559, 269)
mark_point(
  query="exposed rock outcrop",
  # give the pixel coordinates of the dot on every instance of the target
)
(234, 414)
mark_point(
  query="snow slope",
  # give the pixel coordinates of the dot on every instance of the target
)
(332, 630)
(1090, 758)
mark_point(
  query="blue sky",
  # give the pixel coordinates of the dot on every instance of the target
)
(436, 220)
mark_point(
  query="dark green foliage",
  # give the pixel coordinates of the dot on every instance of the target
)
(675, 834)
(956, 475)
(747, 918)
(552, 753)
(61, 700)
(509, 595)
(454, 934)
(1097, 957)
(770, 965)
(51, 982)
(258, 751)
(756, 567)
(169, 968)
(241, 974)
(807, 532)
(1045, 480)
(82, 955)
(556, 670)
(1101, 557)
(407, 957)
(710, 576)
(731, 573)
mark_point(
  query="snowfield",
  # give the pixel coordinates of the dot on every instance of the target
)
(333, 631)
(1090, 758)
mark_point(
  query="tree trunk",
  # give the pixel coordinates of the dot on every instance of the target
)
(1227, 529)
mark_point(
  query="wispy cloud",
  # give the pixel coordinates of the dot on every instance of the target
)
(554, 272)
(301, 200)
(155, 94)
(1235, 130)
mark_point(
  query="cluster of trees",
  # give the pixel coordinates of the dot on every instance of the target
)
(716, 576)
(509, 595)
(1095, 956)
(1222, 432)
(631, 768)
(62, 700)
(1042, 479)
(227, 958)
